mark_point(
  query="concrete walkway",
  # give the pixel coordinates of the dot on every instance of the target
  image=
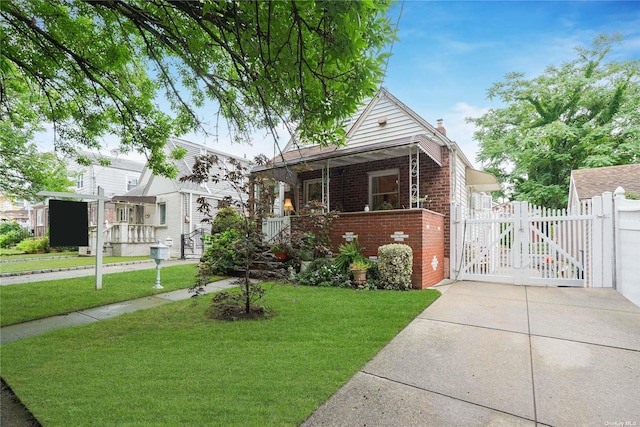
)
(489, 354)
(41, 326)
(88, 270)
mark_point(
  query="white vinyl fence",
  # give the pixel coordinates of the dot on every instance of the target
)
(627, 247)
(594, 245)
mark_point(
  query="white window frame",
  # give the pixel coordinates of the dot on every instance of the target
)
(130, 178)
(80, 181)
(377, 174)
(307, 184)
(162, 206)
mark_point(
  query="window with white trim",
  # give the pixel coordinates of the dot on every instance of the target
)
(80, 180)
(312, 190)
(162, 213)
(132, 182)
(384, 189)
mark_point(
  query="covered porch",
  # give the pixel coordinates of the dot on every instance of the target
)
(132, 231)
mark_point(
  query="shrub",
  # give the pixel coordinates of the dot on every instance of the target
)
(395, 265)
(33, 245)
(225, 252)
(11, 233)
(227, 218)
(322, 272)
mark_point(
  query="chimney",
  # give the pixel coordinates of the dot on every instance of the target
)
(441, 128)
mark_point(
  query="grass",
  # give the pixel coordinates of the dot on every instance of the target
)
(12, 254)
(47, 264)
(171, 366)
(35, 300)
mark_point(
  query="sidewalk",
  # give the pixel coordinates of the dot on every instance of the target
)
(90, 315)
(40, 326)
(490, 354)
(88, 271)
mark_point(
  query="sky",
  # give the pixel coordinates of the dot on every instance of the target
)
(449, 53)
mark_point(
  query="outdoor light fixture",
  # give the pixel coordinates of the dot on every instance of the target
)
(158, 253)
(288, 206)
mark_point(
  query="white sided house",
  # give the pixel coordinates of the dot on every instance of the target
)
(112, 174)
(166, 210)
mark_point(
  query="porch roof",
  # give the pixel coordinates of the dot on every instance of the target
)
(317, 156)
(134, 199)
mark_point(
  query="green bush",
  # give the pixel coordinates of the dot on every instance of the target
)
(34, 245)
(322, 272)
(395, 265)
(11, 233)
(225, 252)
(227, 218)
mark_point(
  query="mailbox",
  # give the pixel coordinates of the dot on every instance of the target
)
(158, 253)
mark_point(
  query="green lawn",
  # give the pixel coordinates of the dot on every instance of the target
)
(47, 264)
(170, 366)
(35, 300)
(7, 254)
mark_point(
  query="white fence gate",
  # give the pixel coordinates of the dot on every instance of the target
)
(627, 229)
(528, 245)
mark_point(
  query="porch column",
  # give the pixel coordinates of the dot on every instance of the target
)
(280, 199)
(414, 177)
(252, 196)
(326, 178)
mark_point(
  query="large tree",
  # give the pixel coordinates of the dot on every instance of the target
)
(96, 68)
(583, 114)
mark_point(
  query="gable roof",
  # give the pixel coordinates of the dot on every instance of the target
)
(382, 128)
(114, 162)
(185, 167)
(593, 182)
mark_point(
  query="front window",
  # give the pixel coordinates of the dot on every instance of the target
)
(162, 213)
(312, 190)
(131, 183)
(384, 189)
(80, 181)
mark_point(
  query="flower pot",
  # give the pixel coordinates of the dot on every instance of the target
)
(306, 255)
(282, 256)
(359, 276)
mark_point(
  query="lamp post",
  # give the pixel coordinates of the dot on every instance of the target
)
(158, 253)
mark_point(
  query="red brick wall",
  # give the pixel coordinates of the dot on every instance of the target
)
(349, 186)
(424, 228)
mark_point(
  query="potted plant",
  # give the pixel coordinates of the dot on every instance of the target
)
(280, 250)
(359, 269)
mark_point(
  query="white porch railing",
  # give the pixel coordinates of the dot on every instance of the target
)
(274, 227)
(131, 233)
(122, 233)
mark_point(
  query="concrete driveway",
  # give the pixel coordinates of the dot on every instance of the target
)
(492, 354)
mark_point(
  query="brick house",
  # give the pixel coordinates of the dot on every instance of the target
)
(393, 181)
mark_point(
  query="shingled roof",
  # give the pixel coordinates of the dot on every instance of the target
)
(593, 182)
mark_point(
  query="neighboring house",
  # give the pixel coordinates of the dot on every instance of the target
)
(164, 209)
(394, 181)
(16, 210)
(114, 175)
(588, 183)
